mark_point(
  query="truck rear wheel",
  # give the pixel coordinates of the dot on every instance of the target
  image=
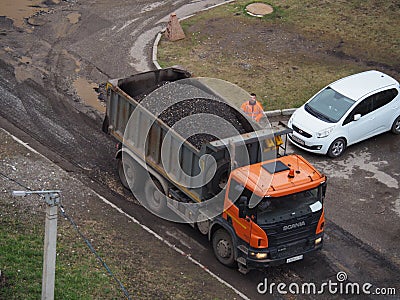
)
(220, 178)
(155, 196)
(128, 171)
(203, 224)
(223, 247)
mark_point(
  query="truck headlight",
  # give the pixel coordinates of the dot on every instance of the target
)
(259, 255)
(325, 132)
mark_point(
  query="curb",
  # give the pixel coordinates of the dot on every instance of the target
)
(271, 113)
(280, 112)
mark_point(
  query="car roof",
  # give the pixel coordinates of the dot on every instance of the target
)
(358, 85)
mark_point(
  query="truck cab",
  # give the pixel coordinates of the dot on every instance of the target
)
(273, 214)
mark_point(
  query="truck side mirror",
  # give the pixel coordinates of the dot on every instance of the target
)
(243, 203)
(324, 185)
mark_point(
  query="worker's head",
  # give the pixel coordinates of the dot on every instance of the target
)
(253, 98)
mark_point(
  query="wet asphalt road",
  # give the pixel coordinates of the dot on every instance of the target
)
(363, 201)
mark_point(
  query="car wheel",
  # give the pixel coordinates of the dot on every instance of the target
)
(337, 148)
(396, 126)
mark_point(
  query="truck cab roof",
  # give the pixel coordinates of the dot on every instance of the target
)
(283, 176)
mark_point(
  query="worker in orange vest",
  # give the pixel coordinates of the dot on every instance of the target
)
(253, 108)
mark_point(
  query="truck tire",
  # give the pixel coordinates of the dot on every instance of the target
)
(106, 124)
(396, 126)
(218, 182)
(337, 148)
(203, 224)
(128, 171)
(223, 247)
(155, 196)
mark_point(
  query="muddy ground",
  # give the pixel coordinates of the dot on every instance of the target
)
(52, 56)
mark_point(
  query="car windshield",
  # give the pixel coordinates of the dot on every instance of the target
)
(272, 210)
(328, 105)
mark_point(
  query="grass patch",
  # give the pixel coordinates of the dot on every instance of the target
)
(78, 274)
(288, 56)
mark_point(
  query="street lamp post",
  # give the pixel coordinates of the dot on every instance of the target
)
(52, 199)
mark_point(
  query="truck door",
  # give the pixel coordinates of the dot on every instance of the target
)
(242, 226)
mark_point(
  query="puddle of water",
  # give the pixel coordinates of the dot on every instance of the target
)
(18, 10)
(363, 161)
(74, 18)
(85, 91)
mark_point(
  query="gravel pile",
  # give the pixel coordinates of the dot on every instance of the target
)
(143, 95)
(197, 106)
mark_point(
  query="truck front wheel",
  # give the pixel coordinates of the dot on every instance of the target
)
(155, 196)
(223, 247)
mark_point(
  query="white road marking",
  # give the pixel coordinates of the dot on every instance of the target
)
(21, 142)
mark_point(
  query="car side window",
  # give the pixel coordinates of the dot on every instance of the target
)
(382, 98)
(363, 108)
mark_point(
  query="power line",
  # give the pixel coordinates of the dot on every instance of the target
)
(94, 251)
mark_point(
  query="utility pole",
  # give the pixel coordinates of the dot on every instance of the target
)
(52, 199)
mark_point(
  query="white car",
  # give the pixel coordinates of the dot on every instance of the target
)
(347, 111)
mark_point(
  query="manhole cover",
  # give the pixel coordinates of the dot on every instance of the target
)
(259, 9)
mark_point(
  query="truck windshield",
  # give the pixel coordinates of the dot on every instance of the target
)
(272, 210)
(328, 105)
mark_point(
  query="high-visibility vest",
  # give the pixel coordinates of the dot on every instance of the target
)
(255, 111)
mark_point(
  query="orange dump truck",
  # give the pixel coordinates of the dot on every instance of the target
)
(271, 209)
(287, 223)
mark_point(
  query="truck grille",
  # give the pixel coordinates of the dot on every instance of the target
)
(278, 237)
(284, 238)
(301, 131)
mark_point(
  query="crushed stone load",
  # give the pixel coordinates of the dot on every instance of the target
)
(202, 125)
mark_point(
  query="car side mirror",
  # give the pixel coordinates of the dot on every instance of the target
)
(357, 117)
(243, 203)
